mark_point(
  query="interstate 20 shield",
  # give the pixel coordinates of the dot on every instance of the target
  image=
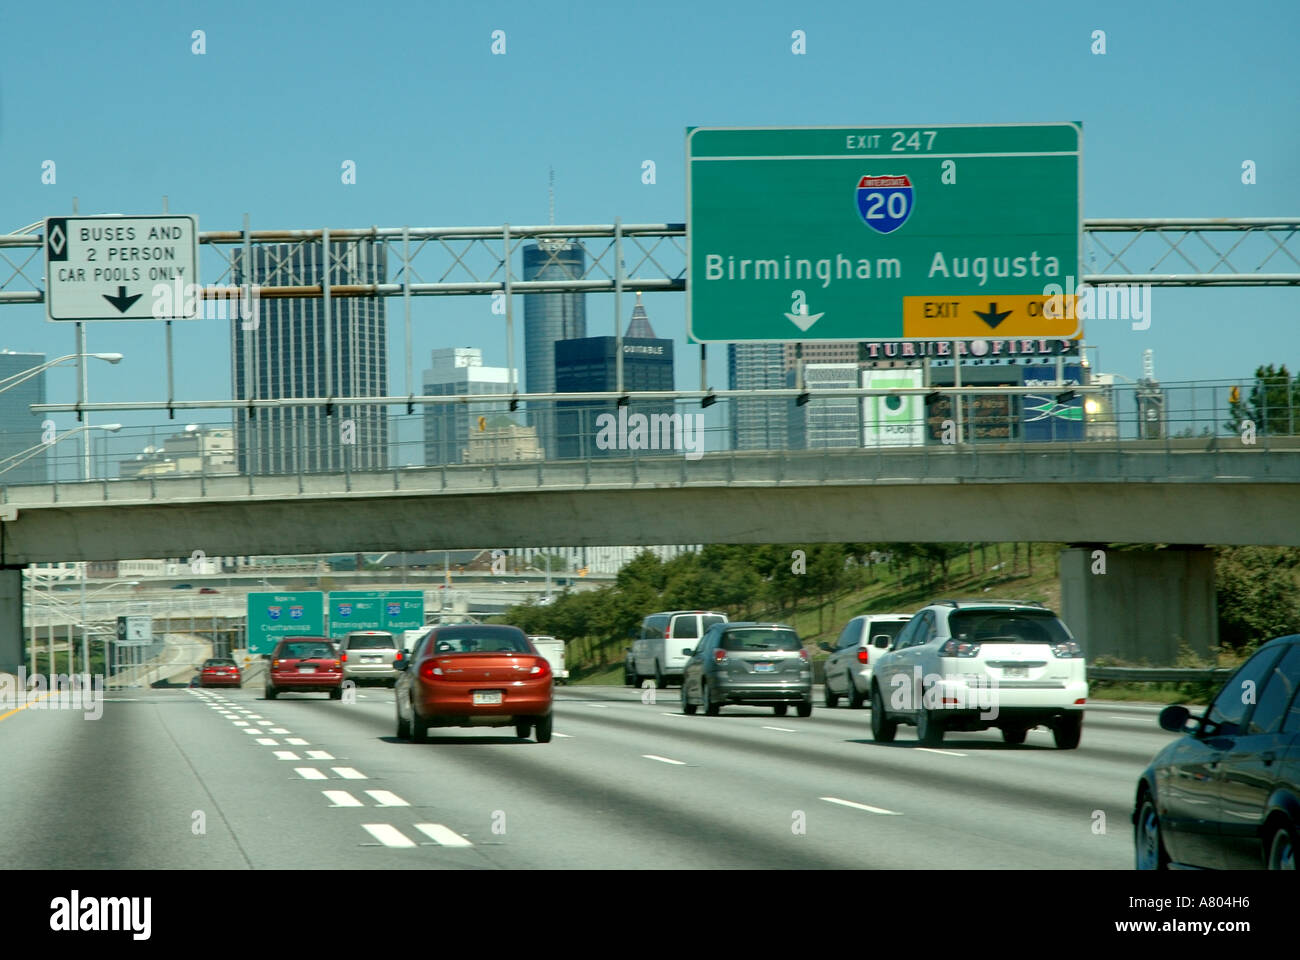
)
(884, 202)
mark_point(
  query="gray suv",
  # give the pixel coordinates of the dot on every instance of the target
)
(759, 664)
(369, 655)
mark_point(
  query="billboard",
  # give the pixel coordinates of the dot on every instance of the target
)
(892, 421)
(392, 610)
(272, 616)
(1043, 416)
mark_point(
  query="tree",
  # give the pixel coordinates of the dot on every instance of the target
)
(1256, 592)
(1273, 404)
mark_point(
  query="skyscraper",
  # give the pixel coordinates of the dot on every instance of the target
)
(20, 429)
(548, 319)
(757, 424)
(459, 371)
(285, 356)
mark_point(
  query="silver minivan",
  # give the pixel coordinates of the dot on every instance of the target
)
(657, 653)
(369, 655)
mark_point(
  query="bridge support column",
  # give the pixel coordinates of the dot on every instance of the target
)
(12, 655)
(1139, 605)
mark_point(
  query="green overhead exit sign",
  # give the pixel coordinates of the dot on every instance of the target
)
(882, 233)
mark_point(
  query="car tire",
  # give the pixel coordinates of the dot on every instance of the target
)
(336, 693)
(1015, 734)
(688, 708)
(1282, 848)
(271, 693)
(1148, 843)
(403, 725)
(1067, 731)
(804, 709)
(659, 677)
(882, 728)
(929, 728)
(419, 727)
(522, 730)
(710, 708)
(830, 699)
(542, 729)
(856, 700)
(780, 709)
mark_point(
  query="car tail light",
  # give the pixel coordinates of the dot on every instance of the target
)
(959, 648)
(397, 656)
(335, 663)
(1067, 649)
(540, 669)
(1081, 701)
(343, 657)
(864, 656)
(719, 655)
(803, 654)
(275, 663)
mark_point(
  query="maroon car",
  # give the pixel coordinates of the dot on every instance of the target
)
(305, 665)
(474, 675)
(219, 672)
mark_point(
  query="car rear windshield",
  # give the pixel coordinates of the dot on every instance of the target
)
(218, 663)
(305, 651)
(1001, 626)
(383, 641)
(759, 640)
(472, 641)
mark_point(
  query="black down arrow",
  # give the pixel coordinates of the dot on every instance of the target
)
(122, 301)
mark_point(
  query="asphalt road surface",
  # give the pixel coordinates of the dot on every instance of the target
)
(223, 779)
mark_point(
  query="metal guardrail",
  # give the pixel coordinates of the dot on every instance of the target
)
(1160, 674)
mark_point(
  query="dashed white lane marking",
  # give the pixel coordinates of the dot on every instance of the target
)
(296, 741)
(341, 798)
(443, 835)
(674, 714)
(286, 755)
(348, 773)
(252, 730)
(862, 806)
(946, 753)
(265, 723)
(277, 730)
(651, 756)
(598, 706)
(318, 755)
(310, 773)
(385, 798)
(566, 736)
(268, 741)
(782, 729)
(388, 835)
(240, 723)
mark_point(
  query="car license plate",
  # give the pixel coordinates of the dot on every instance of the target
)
(369, 659)
(487, 697)
(764, 667)
(306, 669)
(1015, 673)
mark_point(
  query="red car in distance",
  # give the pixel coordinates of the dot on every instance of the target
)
(474, 675)
(305, 665)
(219, 672)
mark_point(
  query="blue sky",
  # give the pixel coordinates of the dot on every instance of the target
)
(444, 133)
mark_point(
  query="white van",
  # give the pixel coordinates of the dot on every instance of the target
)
(658, 652)
(553, 650)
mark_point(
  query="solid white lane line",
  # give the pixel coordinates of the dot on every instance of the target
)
(651, 756)
(341, 798)
(285, 755)
(348, 773)
(296, 741)
(782, 729)
(268, 741)
(443, 835)
(386, 798)
(388, 835)
(946, 753)
(319, 755)
(862, 806)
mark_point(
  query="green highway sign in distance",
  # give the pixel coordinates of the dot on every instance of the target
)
(275, 615)
(882, 233)
(392, 610)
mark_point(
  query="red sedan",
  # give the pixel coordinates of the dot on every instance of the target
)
(219, 672)
(473, 675)
(305, 665)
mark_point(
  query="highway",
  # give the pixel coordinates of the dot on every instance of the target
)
(303, 782)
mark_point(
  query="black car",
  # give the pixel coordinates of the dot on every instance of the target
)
(1227, 794)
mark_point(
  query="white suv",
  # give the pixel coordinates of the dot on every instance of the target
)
(976, 664)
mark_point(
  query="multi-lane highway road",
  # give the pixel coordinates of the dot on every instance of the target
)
(191, 778)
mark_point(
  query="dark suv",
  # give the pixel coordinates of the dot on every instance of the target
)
(760, 664)
(1226, 795)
